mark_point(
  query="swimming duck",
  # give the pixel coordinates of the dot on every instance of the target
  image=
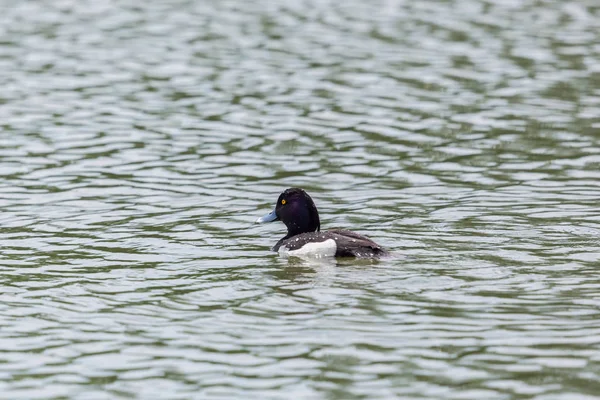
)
(297, 210)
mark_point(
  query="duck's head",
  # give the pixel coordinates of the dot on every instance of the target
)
(296, 210)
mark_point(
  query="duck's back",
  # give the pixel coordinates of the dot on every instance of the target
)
(336, 242)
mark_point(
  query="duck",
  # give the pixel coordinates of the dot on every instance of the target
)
(297, 210)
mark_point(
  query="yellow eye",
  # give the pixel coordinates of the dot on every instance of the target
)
(283, 202)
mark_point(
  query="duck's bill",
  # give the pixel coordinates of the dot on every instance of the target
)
(270, 217)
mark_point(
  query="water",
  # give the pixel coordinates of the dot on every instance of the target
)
(139, 141)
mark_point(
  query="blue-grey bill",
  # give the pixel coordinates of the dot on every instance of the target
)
(270, 217)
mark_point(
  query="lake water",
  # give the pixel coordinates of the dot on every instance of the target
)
(139, 141)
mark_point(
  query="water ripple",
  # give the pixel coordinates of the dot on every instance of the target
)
(140, 142)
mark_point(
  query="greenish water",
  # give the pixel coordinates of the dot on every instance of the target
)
(140, 140)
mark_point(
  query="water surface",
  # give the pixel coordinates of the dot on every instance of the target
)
(139, 142)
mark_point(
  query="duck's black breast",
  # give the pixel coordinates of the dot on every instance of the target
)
(347, 244)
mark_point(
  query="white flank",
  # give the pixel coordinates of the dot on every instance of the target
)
(317, 249)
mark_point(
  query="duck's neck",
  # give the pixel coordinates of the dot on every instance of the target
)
(301, 226)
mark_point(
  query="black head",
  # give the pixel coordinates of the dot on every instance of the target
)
(296, 210)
